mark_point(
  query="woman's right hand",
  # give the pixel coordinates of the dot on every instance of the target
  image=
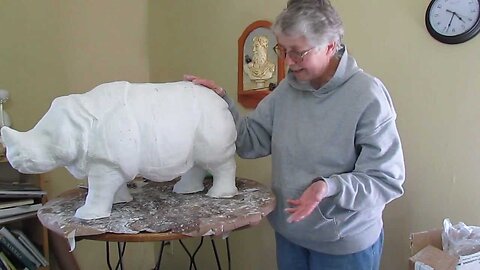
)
(207, 83)
(304, 206)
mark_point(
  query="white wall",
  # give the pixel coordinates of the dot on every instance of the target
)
(435, 88)
(52, 48)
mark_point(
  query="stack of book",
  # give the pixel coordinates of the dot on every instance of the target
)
(18, 200)
(18, 252)
(2, 151)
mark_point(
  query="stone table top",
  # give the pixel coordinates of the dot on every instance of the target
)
(155, 208)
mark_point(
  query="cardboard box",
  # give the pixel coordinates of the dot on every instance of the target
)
(431, 257)
(427, 254)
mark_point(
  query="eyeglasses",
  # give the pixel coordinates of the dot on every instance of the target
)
(296, 57)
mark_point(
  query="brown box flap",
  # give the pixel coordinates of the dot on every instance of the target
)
(435, 258)
(420, 240)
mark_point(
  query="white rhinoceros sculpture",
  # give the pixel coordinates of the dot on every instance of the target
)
(122, 130)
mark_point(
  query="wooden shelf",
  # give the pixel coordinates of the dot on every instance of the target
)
(251, 99)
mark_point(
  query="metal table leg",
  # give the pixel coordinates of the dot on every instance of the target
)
(121, 246)
(121, 251)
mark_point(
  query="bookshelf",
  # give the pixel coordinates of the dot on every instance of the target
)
(27, 223)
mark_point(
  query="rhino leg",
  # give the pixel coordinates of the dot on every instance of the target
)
(103, 184)
(191, 181)
(223, 180)
(122, 195)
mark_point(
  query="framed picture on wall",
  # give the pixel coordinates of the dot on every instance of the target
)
(259, 68)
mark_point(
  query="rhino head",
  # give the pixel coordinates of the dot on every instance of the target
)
(30, 153)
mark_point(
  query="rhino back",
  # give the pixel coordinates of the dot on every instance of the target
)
(156, 130)
(148, 131)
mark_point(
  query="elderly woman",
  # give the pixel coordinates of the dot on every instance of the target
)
(336, 153)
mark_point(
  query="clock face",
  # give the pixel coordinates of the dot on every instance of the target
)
(449, 19)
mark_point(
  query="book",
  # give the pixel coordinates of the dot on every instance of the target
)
(6, 261)
(3, 265)
(14, 202)
(18, 186)
(13, 252)
(22, 193)
(18, 217)
(14, 242)
(12, 211)
(30, 247)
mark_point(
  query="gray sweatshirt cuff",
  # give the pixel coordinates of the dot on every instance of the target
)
(332, 186)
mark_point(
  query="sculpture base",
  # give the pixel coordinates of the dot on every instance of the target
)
(155, 208)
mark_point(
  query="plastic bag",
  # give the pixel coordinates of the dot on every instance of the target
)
(460, 239)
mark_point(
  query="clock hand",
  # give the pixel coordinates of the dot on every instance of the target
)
(450, 22)
(460, 18)
(456, 14)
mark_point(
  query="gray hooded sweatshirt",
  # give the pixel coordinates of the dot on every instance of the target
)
(343, 132)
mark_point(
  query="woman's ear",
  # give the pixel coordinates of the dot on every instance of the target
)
(332, 48)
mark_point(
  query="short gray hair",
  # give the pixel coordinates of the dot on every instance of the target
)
(316, 20)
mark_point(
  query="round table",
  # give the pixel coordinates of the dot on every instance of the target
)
(156, 213)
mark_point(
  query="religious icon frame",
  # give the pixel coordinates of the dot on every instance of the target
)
(249, 93)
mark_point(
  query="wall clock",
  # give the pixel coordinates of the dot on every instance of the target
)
(453, 21)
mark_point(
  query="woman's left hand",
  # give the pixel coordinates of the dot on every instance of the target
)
(205, 82)
(304, 206)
